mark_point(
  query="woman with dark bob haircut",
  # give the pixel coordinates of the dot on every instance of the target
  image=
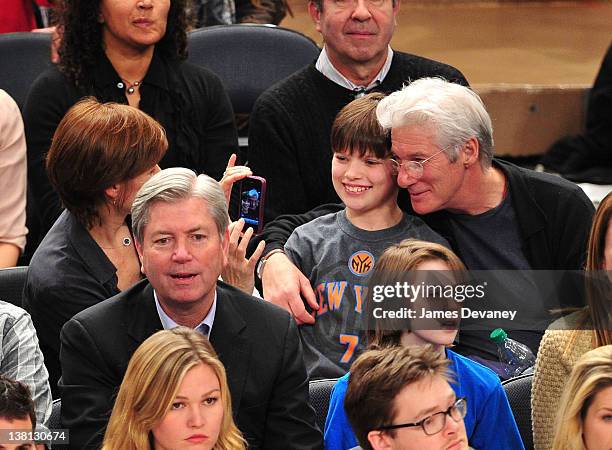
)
(130, 52)
(100, 156)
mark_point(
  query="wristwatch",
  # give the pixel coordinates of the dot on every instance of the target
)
(262, 261)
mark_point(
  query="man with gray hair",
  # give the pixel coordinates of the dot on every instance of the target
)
(494, 214)
(180, 225)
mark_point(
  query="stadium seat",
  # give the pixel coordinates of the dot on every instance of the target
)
(518, 390)
(320, 393)
(55, 421)
(24, 56)
(12, 281)
(249, 58)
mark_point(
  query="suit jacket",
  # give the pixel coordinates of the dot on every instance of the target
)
(257, 342)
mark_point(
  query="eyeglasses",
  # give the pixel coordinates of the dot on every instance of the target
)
(412, 168)
(436, 422)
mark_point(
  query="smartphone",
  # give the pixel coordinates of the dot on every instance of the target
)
(252, 201)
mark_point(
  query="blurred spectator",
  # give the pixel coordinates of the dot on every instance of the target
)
(129, 52)
(588, 156)
(568, 338)
(13, 181)
(175, 390)
(226, 12)
(584, 418)
(22, 359)
(401, 398)
(100, 156)
(21, 15)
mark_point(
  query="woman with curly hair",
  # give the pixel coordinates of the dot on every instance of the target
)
(131, 52)
(174, 395)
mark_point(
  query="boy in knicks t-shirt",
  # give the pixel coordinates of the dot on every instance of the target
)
(338, 251)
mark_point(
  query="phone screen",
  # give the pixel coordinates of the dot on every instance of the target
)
(252, 198)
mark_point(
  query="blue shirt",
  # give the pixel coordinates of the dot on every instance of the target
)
(489, 422)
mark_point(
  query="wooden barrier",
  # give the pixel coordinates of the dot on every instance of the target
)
(527, 119)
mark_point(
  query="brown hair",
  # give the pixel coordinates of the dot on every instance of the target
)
(356, 128)
(378, 376)
(396, 264)
(597, 239)
(599, 285)
(97, 145)
(151, 382)
(16, 401)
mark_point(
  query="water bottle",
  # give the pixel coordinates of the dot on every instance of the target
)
(514, 356)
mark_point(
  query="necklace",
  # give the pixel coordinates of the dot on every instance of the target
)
(130, 87)
(126, 241)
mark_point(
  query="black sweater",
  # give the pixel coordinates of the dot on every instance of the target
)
(289, 140)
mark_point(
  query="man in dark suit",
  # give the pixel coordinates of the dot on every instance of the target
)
(180, 225)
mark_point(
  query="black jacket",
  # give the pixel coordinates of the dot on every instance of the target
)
(257, 342)
(69, 272)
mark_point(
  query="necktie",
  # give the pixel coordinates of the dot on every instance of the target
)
(204, 329)
(359, 92)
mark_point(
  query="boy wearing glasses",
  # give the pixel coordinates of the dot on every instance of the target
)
(338, 251)
(401, 398)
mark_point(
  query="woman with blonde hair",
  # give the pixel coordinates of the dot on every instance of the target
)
(568, 338)
(174, 395)
(584, 420)
(489, 422)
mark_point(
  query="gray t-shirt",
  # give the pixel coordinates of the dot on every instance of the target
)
(338, 259)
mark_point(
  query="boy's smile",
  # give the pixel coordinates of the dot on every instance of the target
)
(367, 186)
(354, 189)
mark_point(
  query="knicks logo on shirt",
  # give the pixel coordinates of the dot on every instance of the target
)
(361, 263)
